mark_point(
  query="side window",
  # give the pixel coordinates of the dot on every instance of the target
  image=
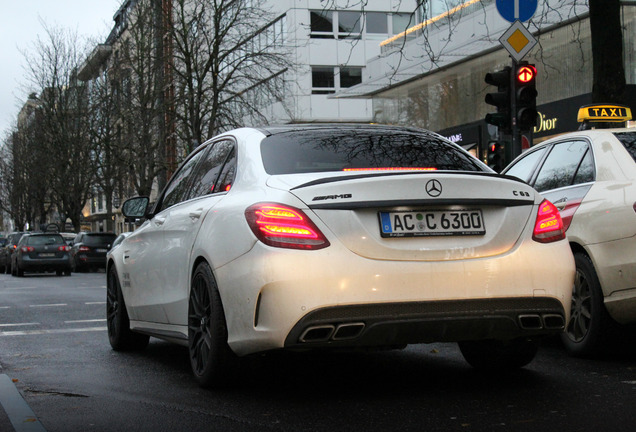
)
(226, 178)
(204, 181)
(178, 186)
(525, 167)
(586, 172)
(561, 165)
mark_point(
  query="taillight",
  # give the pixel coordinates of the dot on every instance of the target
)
(568, 212)
(283, 226)
(26, 249)
(64, 248)
(549, 225)
(84, 249)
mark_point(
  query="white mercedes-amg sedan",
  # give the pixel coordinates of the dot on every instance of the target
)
(339, 236)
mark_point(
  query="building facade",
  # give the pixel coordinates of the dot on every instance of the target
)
(433, 76)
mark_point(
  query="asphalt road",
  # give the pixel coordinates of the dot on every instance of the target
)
(54, 351)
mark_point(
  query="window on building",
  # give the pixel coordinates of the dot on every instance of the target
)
(321, 24)
(401, 22)
(323, 80)
(350, 76)
(376, 22)
(349, 24)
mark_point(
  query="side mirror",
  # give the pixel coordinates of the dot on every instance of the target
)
(135, 208)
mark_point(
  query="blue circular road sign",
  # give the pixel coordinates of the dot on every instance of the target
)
(512, 10)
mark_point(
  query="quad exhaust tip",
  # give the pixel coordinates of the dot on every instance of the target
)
(538, 322)
(329, 332)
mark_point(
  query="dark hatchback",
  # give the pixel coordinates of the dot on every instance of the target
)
(41, 252)
(89, 250)
(7, 251)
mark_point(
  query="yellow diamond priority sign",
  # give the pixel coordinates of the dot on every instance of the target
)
(517, 40)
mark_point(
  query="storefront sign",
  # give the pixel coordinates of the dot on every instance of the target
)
(545, 124)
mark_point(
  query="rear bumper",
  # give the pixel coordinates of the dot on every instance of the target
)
(48, 264)
(92, 261)
(425, 322)
(329, 298)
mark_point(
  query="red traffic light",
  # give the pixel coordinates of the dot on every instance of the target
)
(526, 74)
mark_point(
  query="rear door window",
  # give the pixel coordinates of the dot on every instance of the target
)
(562, 165)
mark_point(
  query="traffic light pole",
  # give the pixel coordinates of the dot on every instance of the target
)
(515, 144)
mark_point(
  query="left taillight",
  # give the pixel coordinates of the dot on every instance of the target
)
(26, 249)
(549, 225)
(284, 226)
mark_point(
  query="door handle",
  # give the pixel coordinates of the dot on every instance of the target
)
(196, 214)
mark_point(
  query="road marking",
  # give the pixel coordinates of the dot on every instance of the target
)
(85, 321)
(18, 324)
(5, 307)
(54, 331)
(49, 305)
(20, 414)
(95, 303)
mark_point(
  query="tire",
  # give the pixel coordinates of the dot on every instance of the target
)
(67, 272)
(120, 336)
(3, 269)
(18, 271)
(589, 323)
(59, 272)
(495, 355)
(211, 359)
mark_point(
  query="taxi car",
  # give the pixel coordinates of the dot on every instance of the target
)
(590, 176)
(339, 236)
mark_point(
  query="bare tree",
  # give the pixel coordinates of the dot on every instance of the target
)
(62, 121)
(229, 55)
(136, 73)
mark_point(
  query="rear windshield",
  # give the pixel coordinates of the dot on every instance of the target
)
(323, 150)
(43, 240)
(628, 139)
(99, 240)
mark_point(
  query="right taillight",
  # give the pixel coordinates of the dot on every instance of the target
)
(284, 226)
(549, 225)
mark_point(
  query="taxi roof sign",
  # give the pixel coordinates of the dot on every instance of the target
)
(608, 113)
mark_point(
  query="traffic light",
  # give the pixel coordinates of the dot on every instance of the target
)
(496, 156)
(501, 99)
(526, 96)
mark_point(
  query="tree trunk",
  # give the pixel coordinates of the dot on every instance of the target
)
(607, 51)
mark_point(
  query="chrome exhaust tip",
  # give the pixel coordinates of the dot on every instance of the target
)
(348, 331)
(553, 321)
(317, 334)
(530, 322)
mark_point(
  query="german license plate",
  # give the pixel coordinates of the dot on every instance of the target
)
(101, 250)
(47, 255)
(432, 223)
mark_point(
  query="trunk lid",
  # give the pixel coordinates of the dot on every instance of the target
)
(418, 216)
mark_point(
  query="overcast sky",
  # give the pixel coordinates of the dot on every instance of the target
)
(20, 25)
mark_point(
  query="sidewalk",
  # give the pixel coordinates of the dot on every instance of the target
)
(15, 415)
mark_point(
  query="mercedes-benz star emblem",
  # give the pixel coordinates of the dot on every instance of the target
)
(434, 188)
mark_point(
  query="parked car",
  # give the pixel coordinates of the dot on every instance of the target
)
(339, 236)
(7, 251)
(89, 250)
(590, 176)
(41, 252)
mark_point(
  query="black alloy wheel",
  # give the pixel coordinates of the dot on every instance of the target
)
(211, 358)
(589, 320)
(120, 336)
